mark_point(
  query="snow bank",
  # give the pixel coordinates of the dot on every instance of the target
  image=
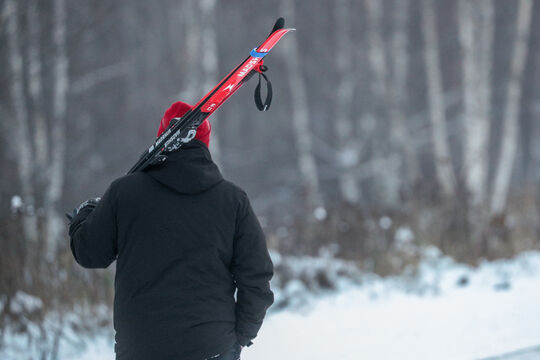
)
(25, 303)
(61, 335)
(299, 280)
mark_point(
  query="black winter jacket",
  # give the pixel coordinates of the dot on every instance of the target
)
(184, 240)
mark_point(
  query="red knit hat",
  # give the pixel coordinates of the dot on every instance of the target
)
(178, 109)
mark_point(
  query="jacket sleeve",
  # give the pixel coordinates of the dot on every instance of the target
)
(252, 270)
(93, 233)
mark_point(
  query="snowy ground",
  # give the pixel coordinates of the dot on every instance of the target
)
(448, 311)
(498, 312)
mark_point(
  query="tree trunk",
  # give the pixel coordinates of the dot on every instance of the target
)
(192, 85)
(132, 50)
(444, 168)
(389, 181)
(36, 90)
(376, 53)
(20, 139)
(511, 112)
(347, 155)
(58, 128)
(210, 68)
(410, 167)
(476, 38)
(300, 116)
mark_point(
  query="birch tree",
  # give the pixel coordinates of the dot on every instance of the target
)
(512, 108)
(348, 148)
(300, 115)
(58, 127)
(376, 53)
(35, 89)
(20, 138)
(210, 67)
(388, 182)
(476, 38)
(193, 51)
(444, 168)
(398, 114)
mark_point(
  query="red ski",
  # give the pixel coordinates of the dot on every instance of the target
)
(184, 129)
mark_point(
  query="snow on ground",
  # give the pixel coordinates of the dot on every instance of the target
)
(102, 348)
(447, 311)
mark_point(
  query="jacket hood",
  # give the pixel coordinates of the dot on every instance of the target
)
(188, 170)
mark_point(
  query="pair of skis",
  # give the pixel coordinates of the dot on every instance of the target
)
(183, 130)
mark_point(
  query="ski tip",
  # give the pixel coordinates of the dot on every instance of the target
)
(280, 23)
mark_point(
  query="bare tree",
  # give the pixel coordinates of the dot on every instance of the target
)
(441, 149)
(348, 148)
(389, 181)
(36, 88)
(376, 53)
(210, 67)
(58, 127)
(300, 115)
(512, 108)
(476, 37)
(20, 138)
(410, 167)
(193, 51)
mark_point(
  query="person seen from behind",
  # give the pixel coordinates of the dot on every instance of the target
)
(185, 240)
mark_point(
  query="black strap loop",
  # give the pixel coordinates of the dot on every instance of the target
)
(258, 100)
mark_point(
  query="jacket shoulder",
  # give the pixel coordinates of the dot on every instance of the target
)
(128, 182)
(233, 188)
(240, 199)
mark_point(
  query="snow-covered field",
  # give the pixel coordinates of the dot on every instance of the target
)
(497, 312)
(446, 311)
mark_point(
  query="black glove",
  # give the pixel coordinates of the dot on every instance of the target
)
(88, 204)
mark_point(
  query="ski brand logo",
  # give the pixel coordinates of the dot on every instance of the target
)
(175, 141)
(248, 67)
(158, 141)
(211, 107)
(190, 135)
(229, 88)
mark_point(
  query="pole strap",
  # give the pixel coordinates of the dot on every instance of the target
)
(263, 106)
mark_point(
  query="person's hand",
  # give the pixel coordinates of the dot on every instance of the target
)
(90, 203)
